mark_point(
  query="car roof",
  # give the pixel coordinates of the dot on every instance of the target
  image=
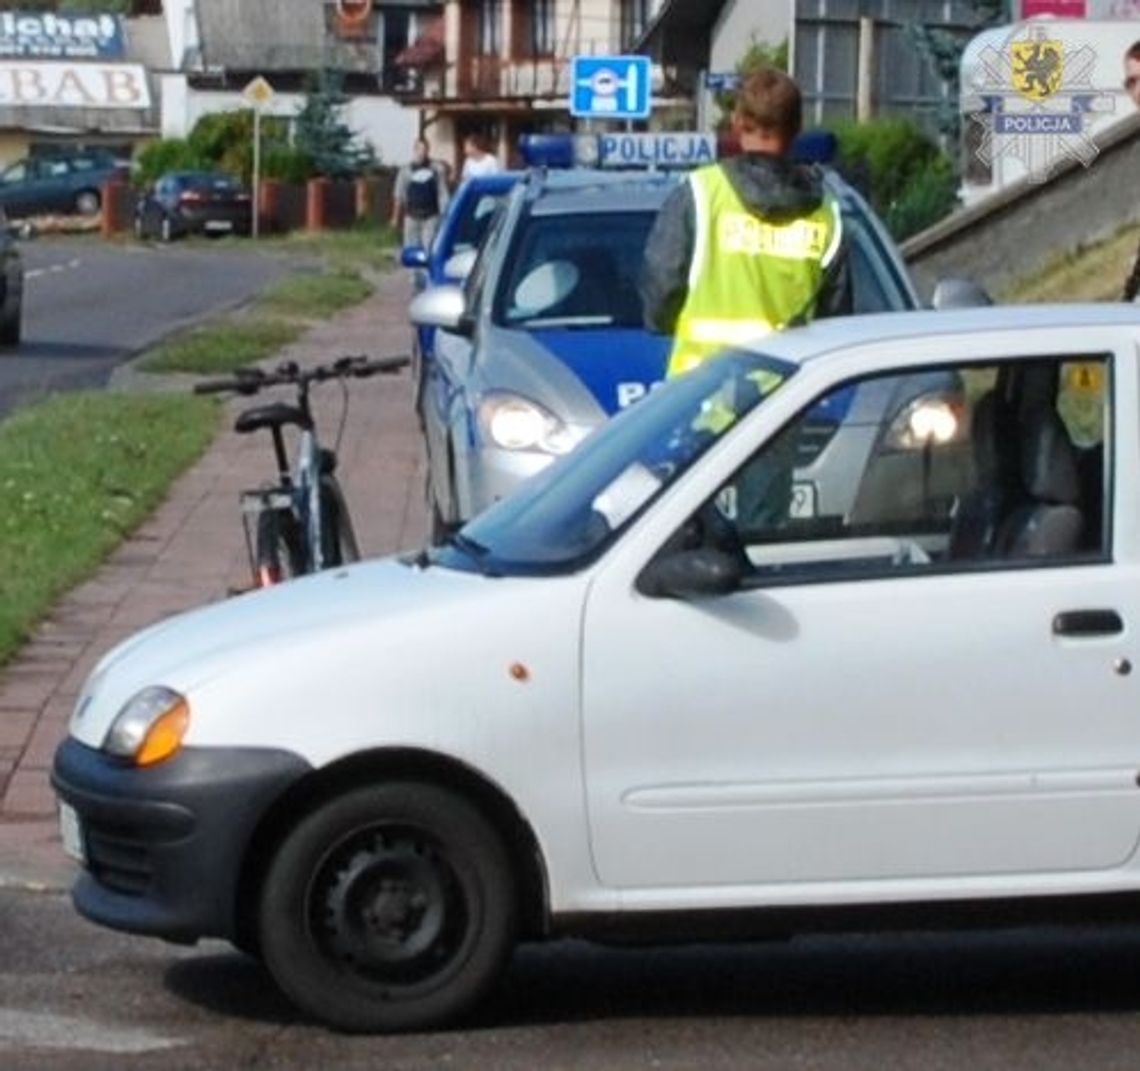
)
(844, 332)
(556, 193)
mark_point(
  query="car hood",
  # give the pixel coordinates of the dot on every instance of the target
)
(585, 375)
(189, 651)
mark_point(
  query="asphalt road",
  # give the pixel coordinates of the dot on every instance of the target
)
(76, 997)
(89, 305)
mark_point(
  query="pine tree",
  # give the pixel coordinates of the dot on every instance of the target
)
(943, 49)
(322, 135)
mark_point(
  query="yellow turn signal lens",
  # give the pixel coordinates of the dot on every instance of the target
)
(164, 737)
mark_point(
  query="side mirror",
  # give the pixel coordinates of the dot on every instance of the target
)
(458, 267)
(413, 256)
(953, 293)
(440, 306)
(691, 574)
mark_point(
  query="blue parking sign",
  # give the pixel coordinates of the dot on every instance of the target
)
(610, 87)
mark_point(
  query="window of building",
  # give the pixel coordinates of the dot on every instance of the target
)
(488, 27)
(634, 16)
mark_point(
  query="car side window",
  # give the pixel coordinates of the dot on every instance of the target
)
(16, 173)
(477, 280)
(939, 469)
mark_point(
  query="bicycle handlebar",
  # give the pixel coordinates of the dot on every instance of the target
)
(252, 380)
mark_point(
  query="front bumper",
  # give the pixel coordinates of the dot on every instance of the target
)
(165, 844)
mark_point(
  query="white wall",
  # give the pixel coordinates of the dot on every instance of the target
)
(389, 127)
(768, 21)
(181, 28)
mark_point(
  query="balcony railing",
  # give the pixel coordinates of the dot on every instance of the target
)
(484, 77)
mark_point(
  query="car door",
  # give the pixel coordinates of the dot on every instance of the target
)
(449, 398)
(17, 188)
(885, 701)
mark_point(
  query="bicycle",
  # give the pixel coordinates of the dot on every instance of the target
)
(300, 524)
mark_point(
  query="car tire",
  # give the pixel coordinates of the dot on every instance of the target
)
(390, 907)
(87, 202)
(10, 327)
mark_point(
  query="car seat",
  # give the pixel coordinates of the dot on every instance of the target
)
(1048, 520)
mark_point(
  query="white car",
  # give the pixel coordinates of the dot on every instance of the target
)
(643, 697)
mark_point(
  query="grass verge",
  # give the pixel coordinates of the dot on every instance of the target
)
(316, 296)
(221, 347)
(1091, 273)
(79, 473)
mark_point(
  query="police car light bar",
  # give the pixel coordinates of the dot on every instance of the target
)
(619, 151)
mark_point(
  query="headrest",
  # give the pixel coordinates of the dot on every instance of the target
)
(545, 286)
(1048, 460)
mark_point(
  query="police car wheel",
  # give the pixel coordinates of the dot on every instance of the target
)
(390, 907)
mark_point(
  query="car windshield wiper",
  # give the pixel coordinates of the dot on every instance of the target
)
(566, 322)
(472, 549)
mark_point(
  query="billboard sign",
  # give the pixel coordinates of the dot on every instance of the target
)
(30, 84)
(54, 35)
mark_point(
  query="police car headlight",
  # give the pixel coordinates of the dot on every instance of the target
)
(149, 728)
(931, 419)
(512, 422)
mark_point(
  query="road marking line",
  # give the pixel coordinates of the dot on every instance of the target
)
(53, 269)
(38, 1030)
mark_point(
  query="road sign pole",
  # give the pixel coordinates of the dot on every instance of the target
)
(255, 223)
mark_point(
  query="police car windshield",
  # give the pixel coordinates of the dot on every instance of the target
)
(566, 515)
(575, 270)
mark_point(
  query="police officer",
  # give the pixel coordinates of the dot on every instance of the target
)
(747, 246)
(420, 198)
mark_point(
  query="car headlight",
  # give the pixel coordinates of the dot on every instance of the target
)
(149, 728)
(931, 419)
(512, 422)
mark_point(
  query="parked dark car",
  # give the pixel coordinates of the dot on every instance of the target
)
(194, 202)
(11, 284)
(67, 183)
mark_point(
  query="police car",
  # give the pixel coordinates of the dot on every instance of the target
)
(609, 710)
(461, 231)
(544, 342)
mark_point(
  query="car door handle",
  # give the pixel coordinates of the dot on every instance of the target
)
(1088, 623)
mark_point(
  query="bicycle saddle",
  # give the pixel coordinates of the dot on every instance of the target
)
(274, 415)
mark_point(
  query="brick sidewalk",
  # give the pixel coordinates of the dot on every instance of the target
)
(192, 551)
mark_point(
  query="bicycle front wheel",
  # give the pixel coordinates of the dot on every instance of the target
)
(279, 552)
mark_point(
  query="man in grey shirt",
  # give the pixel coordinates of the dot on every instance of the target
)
(420, 197)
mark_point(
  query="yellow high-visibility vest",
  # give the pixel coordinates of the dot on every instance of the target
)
(749, 275)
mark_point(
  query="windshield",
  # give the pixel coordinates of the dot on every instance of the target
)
(575, 270)
(564, 517)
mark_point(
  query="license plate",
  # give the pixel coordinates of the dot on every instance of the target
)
(803, 502)
(219, 225)
(72, 833)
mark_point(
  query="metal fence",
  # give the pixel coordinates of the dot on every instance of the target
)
(903, 81)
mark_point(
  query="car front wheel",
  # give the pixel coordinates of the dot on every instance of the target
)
(390, 907)
(10, 326)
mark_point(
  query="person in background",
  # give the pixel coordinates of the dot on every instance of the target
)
(476, 159)
(420, 197)
(1132, 88)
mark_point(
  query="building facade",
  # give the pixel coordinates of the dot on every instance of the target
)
(501, 68)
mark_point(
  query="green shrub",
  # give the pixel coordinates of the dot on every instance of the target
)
(909, 181)
(931, 195)
(167, 154)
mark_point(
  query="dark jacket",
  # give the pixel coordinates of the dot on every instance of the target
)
(772, 186)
